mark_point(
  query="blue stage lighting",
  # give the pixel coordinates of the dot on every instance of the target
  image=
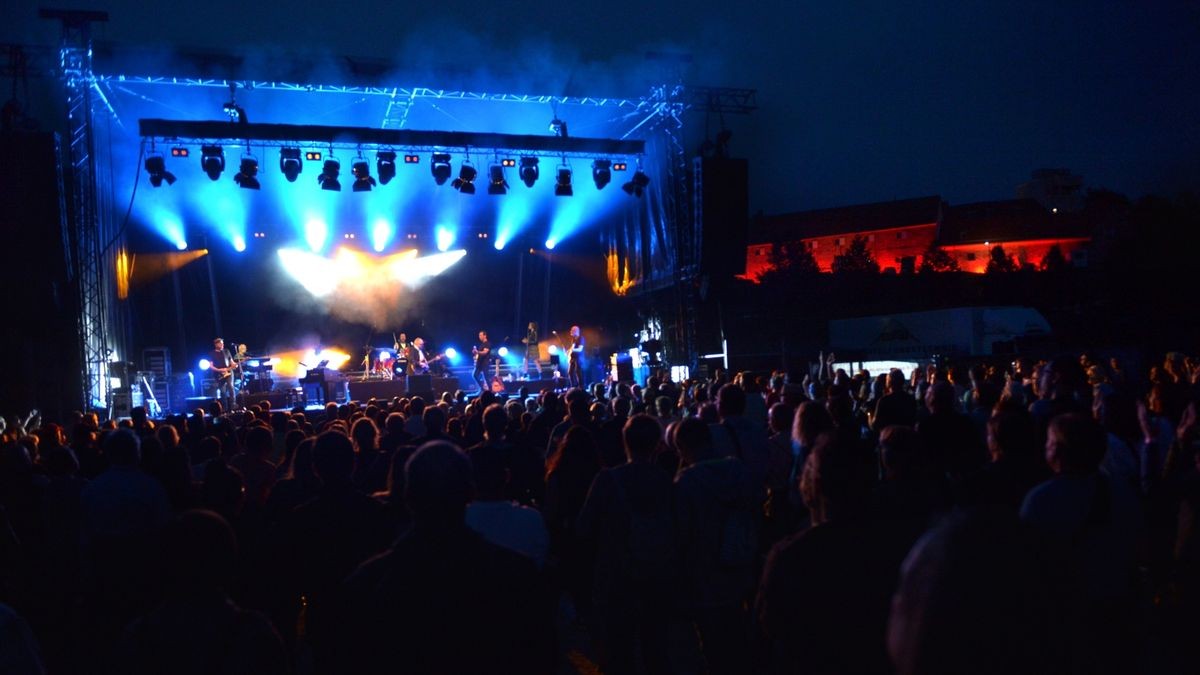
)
(601, 172)
(329, 175)
(503, 352)
(439, 166)
(529, 171)
(465, 183)
(385, 166)
(212, 160)
(156, 166)
(562, 182)
(496, 183)
(239, 243)
(254, 363)
(247, 175)
(363, 182)
(205, 364)
(452, 354)
(290, 164)
(550, 244)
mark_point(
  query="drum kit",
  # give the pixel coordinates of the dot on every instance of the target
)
(385, 364)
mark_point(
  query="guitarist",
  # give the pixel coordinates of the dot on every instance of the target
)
(483, 357)
(417, 363)
(223, 366)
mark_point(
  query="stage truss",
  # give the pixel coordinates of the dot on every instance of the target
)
(95, 240)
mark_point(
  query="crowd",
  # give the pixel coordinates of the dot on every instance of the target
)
(1025, 518)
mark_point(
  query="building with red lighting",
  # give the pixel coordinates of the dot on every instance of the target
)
(899, 233)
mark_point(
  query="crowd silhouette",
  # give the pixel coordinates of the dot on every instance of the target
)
(1024, 517)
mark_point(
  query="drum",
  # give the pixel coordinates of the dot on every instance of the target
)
(383, 366)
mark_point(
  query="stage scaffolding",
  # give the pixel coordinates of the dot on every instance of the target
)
(95, 239)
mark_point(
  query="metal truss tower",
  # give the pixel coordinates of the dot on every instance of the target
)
(90, 222)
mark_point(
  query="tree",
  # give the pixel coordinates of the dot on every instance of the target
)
(789, 262)
(1054, 260)
(1001, 262)
(936, 259)
(857, 259)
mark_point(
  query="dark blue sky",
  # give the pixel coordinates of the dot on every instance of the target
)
(860, 101)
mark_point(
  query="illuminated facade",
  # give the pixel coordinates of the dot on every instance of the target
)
(898, 233)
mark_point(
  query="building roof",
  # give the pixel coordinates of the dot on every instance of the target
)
(1006, 220)
(845, 220)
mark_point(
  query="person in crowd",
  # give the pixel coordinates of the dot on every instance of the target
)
(197, 628)
(442, 598)
(718, 505)
(1094, 519)
(628, 519)
(569, 474)
(255, 466)
(950, 437)
(823, 601)
(494, 515)
(739, 435)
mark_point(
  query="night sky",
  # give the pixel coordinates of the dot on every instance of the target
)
(860, 101)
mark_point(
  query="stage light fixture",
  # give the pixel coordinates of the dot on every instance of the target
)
(179, 151)
(412, 159)
(619, 166)
(508, 162)
(212, 160)
(363, 182)
(329, 175)
(235, 112)
(439, 166)
(247, 175)
(312, 156)
(637, 185)
(465, 183)
(496, 183)
(558, 127)
(156, 166)
(290, 164)
(385, 166)
(601, 172)
(529, 171)
(562, 182)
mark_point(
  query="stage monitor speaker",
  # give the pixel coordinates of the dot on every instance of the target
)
(420, 385)
(722, 212)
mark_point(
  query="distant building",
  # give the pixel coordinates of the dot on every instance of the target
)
(899, 233)
(1058, 190)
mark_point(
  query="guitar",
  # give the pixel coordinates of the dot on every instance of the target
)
(422, 367)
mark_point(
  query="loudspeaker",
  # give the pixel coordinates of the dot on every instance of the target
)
(722, 212)
(420, 384)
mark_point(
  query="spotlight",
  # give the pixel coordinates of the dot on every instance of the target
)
(451, 353)
(637, 185)
(601, 172)
(620, 166)
(558, 127)
(412, 159)
(212, 160)
(363, 182)
(503, 352)
(385, 165)
(205, 364)
(529, 171)
(562, 182)
(508, 162)
(465, 183)
(439, 166)
(329, 175)
(312, 156)
(247, 175)
(496, 183)
(289, 163)
(179, 151)
(156, 166)
(236, 112)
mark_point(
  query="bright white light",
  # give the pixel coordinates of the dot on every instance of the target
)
(205, 364)
(385, 355)
(381, 234)
(272, 361)
(503, 351)
(415, 272)
(499, 244)
(444, 236)
(319, 276)
(550, 244)
(553, 349)
(254, 363)
(239, 243)
(451, 353)
(316, 232)
(181, 245)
